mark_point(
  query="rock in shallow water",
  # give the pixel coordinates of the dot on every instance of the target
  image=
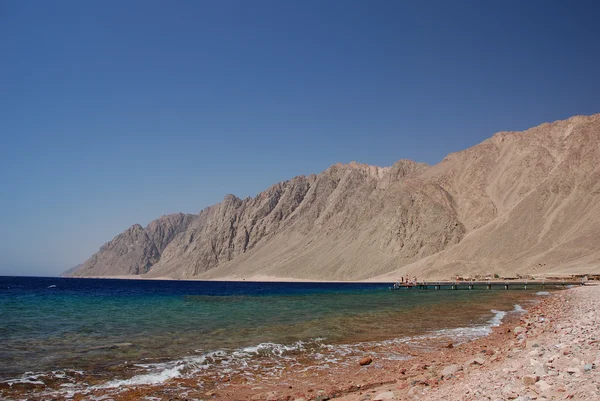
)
(365, 361)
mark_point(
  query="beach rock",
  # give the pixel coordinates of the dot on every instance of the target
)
(529, 380)
(415, 393)
(450, 345)
(387, 395)
(419, 367)
(451, 370)
(543, 385)
(476, 361)
(271, 396)
(540, 369)
(365, 361)
(518, 330)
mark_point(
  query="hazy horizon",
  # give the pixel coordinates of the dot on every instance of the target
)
(117, 115)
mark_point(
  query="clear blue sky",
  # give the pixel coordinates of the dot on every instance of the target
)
(117, 112)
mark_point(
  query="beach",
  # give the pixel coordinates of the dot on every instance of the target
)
(550, 351)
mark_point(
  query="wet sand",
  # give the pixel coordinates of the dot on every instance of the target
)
(555, 343)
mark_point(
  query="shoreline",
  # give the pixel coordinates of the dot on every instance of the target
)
(274, 279)
(553, 353)
(496, 363)
(550, 352)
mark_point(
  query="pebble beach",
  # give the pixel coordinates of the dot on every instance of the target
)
(552, 353)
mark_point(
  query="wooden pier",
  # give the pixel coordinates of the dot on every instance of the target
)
(487, 285)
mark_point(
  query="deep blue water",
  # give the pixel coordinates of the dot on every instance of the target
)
(49, 324)
(14, 286)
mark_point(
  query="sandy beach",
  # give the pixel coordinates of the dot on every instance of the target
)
(550, 352)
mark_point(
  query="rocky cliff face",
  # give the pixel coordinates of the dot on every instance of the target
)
(518, 202)
(137, 249)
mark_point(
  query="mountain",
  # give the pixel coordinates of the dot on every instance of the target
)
(518, 203)
(69, 272)
(137, 249)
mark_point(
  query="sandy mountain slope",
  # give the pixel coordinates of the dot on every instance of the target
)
(520, 202)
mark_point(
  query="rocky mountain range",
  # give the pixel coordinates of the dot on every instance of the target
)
(517, 203)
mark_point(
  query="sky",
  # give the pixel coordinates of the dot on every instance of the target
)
(118, 112)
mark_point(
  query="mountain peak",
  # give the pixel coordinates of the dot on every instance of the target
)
(518, 203)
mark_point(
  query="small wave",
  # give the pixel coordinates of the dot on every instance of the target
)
(518, 309)
(542, 293)
(64, 377)
(157, 373)
(32, 379)
(497, 319)
(250, 360)
(149, 378)
(464, 334)
(274, 348)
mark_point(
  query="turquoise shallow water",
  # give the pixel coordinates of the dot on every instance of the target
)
(51, 324)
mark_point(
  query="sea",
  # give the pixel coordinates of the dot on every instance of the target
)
(66, 334)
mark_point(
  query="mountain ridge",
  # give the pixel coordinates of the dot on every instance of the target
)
(520, 202)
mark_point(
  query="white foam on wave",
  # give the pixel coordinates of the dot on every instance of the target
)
(542, 293)
(518, 309)
(464, 334)
(241, 360)
(497, 319)
(149, 378)
(158, 373)
(272, 348)
(24, 380)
